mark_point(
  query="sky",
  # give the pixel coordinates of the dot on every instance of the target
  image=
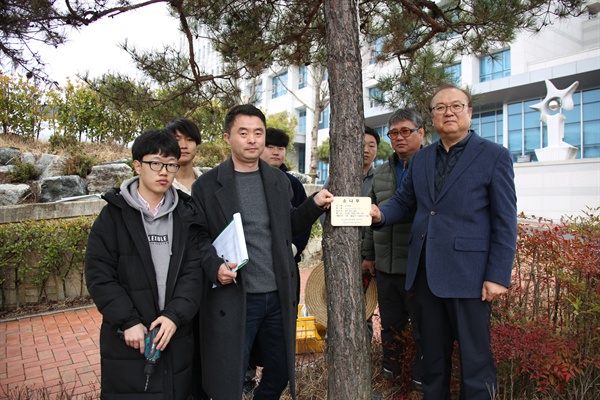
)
(95, 47)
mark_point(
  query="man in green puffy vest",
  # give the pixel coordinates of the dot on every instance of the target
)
(385, 251)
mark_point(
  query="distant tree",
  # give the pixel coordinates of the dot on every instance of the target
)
(384, 151)
(284, 121)
(78, 112)
(22, 109)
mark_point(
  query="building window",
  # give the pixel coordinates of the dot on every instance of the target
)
(590, 117)
(454, 73)
(324, 119)
(279, 83)
(489, 125)
(383, 130)
(301, 151)
(302, 121)
(375, 97)
(256, 92)
(322, 172)
(302, 76)
(376, 48)
(494, 66)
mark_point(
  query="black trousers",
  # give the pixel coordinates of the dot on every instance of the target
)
(442, 321)
(395, 311)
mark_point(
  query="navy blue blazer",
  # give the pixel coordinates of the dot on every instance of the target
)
(470, 228)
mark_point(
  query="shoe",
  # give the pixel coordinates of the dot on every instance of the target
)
(387, 374)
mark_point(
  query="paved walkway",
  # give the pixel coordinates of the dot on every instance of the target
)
(56, 351)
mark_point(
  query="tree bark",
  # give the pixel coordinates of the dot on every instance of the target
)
(348, 351)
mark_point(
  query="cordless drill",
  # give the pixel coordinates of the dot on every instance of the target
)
(151, 353)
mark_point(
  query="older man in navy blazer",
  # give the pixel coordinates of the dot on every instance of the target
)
(462, 245)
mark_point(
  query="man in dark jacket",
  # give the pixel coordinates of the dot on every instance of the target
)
(142, 272)
(261, 303)
(462, 245)
(276, 143)
(386, 250)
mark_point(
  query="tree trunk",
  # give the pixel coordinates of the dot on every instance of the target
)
(348, 351)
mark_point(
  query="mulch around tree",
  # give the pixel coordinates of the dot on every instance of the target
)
(30, 310)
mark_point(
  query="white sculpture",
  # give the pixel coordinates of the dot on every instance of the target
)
(555, 99)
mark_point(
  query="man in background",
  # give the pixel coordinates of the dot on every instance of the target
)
(188, 137)
(385, 252)
(276, 144)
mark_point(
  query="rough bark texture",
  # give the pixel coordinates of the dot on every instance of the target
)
(348, 353)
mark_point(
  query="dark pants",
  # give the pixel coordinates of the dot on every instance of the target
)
(395, 311)
(264, 323)
(441, 321)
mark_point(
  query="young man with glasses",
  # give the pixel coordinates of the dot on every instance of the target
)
(385, 251)
(462, 245)
(142, 271)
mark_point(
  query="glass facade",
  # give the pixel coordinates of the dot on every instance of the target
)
(302, 121)
(322, 172)
(374, 95)
(376, 49)
(278, 83)
(494, 66)
(302, 76)
(258, 92)
(301, 151)
(455, 72)
(324, 119)
(582, 127)
(489, 125)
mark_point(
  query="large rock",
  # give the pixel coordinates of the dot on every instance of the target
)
(106, 176)
(59, 187)
(8, 155)
(11, 194)
(46, 165)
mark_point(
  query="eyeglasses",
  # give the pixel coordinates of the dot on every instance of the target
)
(440, 109)
(404, 132)
(158, 166)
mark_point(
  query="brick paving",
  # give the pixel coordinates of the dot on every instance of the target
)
(57, 351)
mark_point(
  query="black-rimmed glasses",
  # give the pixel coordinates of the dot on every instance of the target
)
(404, 132)
(158, 166)
(440, 109)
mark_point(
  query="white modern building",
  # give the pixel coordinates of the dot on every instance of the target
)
(508, 84)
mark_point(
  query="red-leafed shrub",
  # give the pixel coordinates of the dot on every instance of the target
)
(546, 330)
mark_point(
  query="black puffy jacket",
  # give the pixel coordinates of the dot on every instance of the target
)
(121, 280)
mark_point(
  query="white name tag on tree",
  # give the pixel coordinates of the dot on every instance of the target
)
(351, 211)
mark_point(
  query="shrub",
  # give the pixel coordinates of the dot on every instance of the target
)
(32, 251)
(545, 331)
(62, 142)
(22, 172)
(79, 164)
